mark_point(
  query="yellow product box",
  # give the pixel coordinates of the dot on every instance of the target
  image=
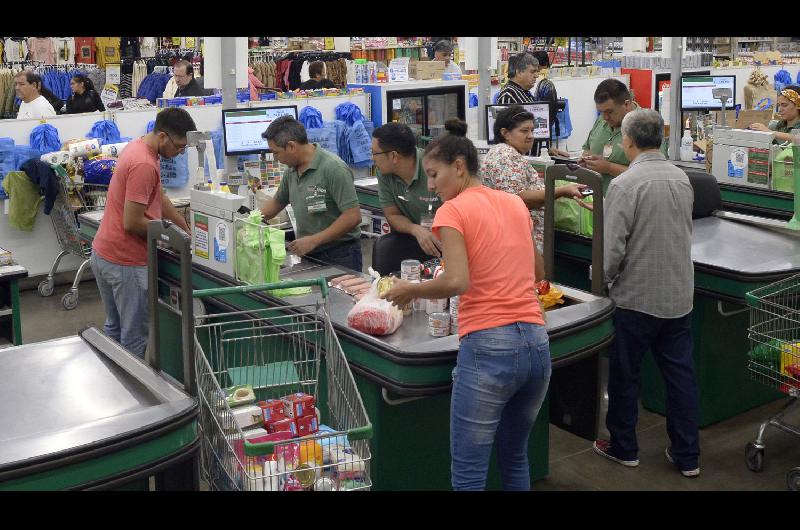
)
(790, 356)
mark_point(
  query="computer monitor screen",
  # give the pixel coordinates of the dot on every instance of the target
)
(541, 119)
(242, 128)
(697, 92)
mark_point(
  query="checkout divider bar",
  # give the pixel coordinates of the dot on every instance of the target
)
(593, 179)
(165, 233)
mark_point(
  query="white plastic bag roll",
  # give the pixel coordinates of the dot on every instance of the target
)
(113, 149)
(85, 149)
(55, 158)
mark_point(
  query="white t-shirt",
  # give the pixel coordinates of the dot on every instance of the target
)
(38, 108)
(65, 50)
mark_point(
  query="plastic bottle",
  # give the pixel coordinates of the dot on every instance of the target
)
(687, 144)
(545, 154)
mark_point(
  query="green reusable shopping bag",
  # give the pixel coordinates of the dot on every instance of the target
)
(567, 213)
(260, 252)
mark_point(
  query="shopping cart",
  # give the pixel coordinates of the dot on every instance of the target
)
(73, 198)
(278, 351)
(774, 358)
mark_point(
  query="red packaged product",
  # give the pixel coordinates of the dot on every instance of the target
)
(307, 425)
(285, 424)
(298, 405)
(272, 409)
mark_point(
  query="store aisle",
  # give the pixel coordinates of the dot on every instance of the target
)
(573, 464)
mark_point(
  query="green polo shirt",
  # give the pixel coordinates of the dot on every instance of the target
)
(415, 196)
(320, 195)
(602, 134)
(783, 127)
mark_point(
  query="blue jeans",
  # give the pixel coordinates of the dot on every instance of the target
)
(123, 289)
(670, 341)
(499, 384)
(347, 255)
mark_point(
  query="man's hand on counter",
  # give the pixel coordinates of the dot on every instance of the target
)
(302, 246)
(400, 293)
(430, 245)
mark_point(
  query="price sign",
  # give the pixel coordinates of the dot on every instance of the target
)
(112, 74)
(110, 93)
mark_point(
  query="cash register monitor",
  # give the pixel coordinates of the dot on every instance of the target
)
(242, 128)
(697, 92)
(541, 118)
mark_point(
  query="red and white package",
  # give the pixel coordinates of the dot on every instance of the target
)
(375, 316)
(298, 405)
(307, 425)
(272, 410)
(286, 424)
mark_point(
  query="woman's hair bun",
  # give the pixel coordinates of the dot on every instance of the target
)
(456, 127)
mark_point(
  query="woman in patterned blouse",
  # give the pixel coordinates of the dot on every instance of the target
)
(505, 168)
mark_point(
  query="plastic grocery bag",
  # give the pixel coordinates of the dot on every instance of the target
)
(586, 218)
(567, 213)
(105, 130)
(8, 161)
(45, 138)
(99, 170)
(373, 315)
(360, 145)
(219, 153)
(325, 137)
(175, 171)
(311, 118)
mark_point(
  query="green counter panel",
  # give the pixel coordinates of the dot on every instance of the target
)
(741, 198)
(92, 470)
(368, 199)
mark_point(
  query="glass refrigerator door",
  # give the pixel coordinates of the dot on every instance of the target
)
(410, 111)
(441, 107)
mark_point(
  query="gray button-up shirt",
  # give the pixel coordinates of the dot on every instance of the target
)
(648, 238)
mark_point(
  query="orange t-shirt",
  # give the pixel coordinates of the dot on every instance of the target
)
(497, 231)
(136, 179)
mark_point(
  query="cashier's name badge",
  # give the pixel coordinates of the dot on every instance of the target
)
(315, 200)
(607, 149)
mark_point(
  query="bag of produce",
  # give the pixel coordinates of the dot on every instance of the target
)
(373, 315)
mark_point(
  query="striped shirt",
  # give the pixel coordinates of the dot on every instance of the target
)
(513, 93)
(648, 238)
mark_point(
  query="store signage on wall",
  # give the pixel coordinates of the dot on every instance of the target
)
(329, 44)
(112, 74)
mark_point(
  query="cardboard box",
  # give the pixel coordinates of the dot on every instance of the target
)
(286, 424)
(745, 119)
(306, 425)
(426, 69)
(272, 409)
(298, 405)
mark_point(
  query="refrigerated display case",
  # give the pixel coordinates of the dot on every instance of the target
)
(422, 105)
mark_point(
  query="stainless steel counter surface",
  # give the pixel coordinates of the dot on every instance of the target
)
(743, 248)
(59, 395)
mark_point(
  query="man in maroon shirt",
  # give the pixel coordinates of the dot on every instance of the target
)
(135, 196)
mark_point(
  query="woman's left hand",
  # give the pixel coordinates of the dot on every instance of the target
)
(759, 127)
(587, 205)
(400, 293)
(570, 191)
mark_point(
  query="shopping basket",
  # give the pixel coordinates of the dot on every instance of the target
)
(280, 352)
(73, 198)
(774, 358)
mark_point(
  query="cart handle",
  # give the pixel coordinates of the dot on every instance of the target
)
(221, 291)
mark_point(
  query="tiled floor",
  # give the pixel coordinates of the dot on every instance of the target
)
(573, 465)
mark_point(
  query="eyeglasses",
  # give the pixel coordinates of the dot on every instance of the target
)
(180, 149)
(382, 152)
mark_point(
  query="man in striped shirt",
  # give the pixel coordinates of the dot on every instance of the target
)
(522, 71)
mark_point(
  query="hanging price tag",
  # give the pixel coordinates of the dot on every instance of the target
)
(329, 44)
(112, 74)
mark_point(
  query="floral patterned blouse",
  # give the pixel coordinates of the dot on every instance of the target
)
(504, 168)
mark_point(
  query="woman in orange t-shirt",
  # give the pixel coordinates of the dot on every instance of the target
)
(503, 366)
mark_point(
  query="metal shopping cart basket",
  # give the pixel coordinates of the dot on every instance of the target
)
(774, 358)
(73, 198)
(281, 352)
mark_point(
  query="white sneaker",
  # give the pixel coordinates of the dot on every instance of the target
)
(690, 473)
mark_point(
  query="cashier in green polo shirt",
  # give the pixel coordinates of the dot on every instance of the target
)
(602, 151)
(407, 203)
(319, 186)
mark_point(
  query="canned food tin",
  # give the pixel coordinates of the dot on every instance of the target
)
(419, 303)
(409, 269)
(438, 305)
(439, 324)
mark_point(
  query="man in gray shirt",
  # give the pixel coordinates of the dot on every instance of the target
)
(648, 266)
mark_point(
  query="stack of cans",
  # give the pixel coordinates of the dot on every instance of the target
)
(454, 315)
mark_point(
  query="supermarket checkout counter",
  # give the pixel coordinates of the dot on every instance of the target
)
(748, 199)
(82, 413)
(405, 378)
(731, 257)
